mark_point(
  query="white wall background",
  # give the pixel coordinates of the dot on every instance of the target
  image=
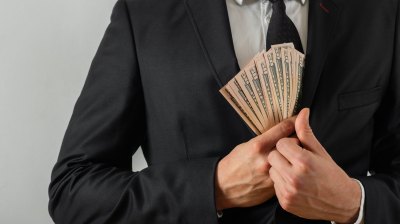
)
(46, 47)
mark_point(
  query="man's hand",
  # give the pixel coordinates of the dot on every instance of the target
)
(242, 178)
(307, 182)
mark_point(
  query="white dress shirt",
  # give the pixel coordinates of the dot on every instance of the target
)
(249, 21)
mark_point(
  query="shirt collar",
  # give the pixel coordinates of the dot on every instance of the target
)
(240, 2)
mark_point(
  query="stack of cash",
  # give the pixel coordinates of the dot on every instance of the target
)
(267, 90)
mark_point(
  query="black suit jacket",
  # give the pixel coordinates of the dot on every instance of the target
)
(154, 83)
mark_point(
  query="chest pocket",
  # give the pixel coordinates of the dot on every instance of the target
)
(357, 99)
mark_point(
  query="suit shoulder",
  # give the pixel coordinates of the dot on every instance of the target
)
(154, 8)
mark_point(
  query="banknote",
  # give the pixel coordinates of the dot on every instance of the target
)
(237, 92)
(271, 102)
(267, 90)
(255, 82)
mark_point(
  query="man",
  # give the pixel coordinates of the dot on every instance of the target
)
(154, 83)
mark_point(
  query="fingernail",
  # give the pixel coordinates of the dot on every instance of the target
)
(308, 115)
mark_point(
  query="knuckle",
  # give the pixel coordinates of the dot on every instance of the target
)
(287, 195)
(286, 201)
(272, 155)
(284, 205)
(294, 183)
(281, 143)
(256, 145)
(302, 160)
(240, 147)
(261, 167)
(286, 127)
(303, 166)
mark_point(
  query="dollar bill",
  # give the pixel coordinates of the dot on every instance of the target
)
(262, 69)
(286, 77)
(255, 83)
(244, 82)
(246, 102)
(267, 90)
(274, 79)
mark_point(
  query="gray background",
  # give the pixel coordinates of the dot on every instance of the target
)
(46, 47)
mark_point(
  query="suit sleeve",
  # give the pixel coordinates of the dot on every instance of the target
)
(92, 181)
(382, 189)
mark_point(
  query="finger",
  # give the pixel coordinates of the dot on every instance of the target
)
(305, 133)
(276, 178)
(278, 161)
(272, 136)
(294, 140)
(290, 148)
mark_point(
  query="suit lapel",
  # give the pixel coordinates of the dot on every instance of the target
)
(211, 23)
(323, 15)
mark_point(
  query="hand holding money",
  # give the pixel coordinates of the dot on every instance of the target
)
(302, 168)
(242, 178)
(268, 89)
(264, 94)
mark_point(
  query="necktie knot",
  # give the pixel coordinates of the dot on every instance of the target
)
(278, 5)
(281, 29)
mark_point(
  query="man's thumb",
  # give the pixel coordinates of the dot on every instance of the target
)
(305, 133)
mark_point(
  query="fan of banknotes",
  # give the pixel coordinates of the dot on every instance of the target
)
(267, 90)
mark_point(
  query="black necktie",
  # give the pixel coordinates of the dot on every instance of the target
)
(281, 29)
